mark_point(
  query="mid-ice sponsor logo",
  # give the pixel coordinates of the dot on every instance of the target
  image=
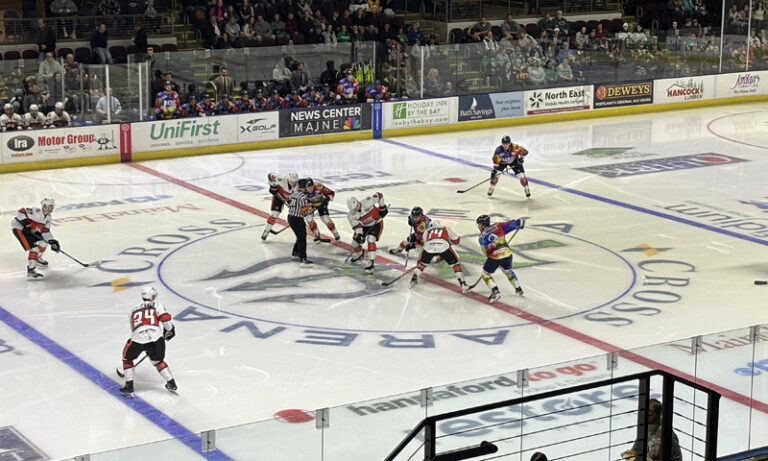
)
(763, 206)
(111, 216)
(721, 342)
(720, 218)
(421, 113)
(318, 120)
(15, 447)
(475, 107)
(623, 94)
(682, 162)
(753, 368)
(86, 205)
(558, 100)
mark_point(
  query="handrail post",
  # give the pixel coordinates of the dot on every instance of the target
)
(667, 410)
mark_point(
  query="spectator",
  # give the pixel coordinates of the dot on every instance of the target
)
(223, 84)
(315, 36)
(374, 6)
(48, 67)
(63, 9)
(652, 448)
(638, 40)
(287, 6)
(601, 39)
(536, 75)
(211, 32)
(73, 81)
(333, 20)
(303, 6)
(360, 18)
(153, 18)
(346, 19)
(478, 31)
(108, 108)
(562, 23)
(46, 39)
(330, 74)
(416, 36)
(376, 92)
(343, 36)
(278, 28)
(563, 71)
(168, 78)
(245, 11)
(433, 85)
(329, 36)
(371, 33)
(547, 23)
(511, 26)
(219, 13)
(99, 45)
(582, 37)
(387, 33)
(232, 28)
(291, 26)
(140, 38)
(300, 80)
(248, 28)
(262, 30)
(306, 23)
(112, 9)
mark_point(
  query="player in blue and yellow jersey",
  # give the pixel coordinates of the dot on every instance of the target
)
(493, 242)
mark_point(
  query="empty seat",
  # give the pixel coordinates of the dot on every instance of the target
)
(83, 55)
(29, 54)
(63, 52)
(532, 29)
(298, 39)
(169, 47)
(118, 53)
(12, 55)
(456, 35)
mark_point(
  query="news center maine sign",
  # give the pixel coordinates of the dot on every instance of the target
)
(326, 119)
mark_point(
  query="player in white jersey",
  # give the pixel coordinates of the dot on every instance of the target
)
(34, 119)
(32, 228)
(58, 117)
(437, 242)
(281, 188)
(366, 217)
(10, 120)
(151, 327)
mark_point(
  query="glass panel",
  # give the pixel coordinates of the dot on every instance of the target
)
(94, 77)
(372, 429)
(759, 392)
(123, 80)
(167, 449)
(737, 28)
(290, 438)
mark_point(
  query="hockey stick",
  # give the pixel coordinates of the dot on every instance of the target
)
(77, 260)
(386, 284)
(277, 232)
(122, 375)
(761, 282)
(481, 277)
(476, 185)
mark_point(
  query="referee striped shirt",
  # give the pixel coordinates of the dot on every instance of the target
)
(298, 204)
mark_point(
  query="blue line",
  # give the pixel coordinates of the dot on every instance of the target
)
(176, 430)
(591, 196)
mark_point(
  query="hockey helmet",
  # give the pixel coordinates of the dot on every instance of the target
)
(272, 177)
(434, 224)
(148, 294)
(293, 178)
(506, 140)
(417, 213)
(310, 182)
(59, 106)
(8, 106)
(483, 221)
(47, 202)
(33, 108)
(353, 204)
(302, 183)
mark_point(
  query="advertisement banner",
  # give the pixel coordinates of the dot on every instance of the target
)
(184, 132)
(670, 90)
(485, 106)
(427, 112)
(328, 119)
(623, 94)
(549, 101)
(741, 84)
(125, 142)
(60, 143)
(257, 126)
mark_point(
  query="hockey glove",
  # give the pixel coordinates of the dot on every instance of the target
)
(273, 190)
(359, 238)
(522, 223)
(54, 245)
(383, 211)
(169, 334)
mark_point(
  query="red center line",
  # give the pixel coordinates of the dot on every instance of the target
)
(525, 315)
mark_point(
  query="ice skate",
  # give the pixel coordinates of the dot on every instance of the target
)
(265, 234)
(369, 267)
(395, 251)
(336, 236)
(527, 191)
(414, 281)
(464, 286)
(490, 191)
(306, 263)
(495, 295)
(519, 291)
(127, 390)
(41, 261)
(32, 274)
(171, 385)
(357, 258)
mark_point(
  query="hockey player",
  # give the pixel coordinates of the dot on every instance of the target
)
(151, 327)
(319, 196)
(167, 104)
(10, 120)
(493, 242)
(245, 103)
(281, 188)
(226, 106)
(192, 108)
(419, 223)
(58, 117)
(32, 228)
(34, 119)
(366, 217)
(209, 107)
(509, 155)
(437, 242)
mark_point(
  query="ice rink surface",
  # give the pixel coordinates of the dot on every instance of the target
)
(642, 230)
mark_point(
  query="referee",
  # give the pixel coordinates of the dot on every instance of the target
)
(298, 207)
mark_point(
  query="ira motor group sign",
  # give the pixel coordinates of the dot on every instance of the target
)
(59, 143)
